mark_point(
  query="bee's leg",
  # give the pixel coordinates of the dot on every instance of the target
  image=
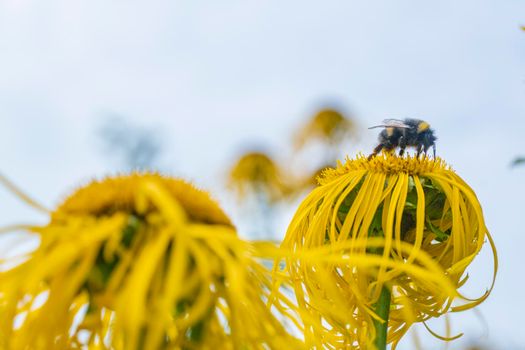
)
(434, 150)
(402, 145)
(425, 149)
(419, 149)
(376, 151)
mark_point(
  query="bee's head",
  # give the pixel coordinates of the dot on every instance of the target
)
(422, 127)
(425, 133)
(427, 137)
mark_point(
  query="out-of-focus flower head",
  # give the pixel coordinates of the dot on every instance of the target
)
(138, 262)
(410, 226)
(257, 173)
(328, 126)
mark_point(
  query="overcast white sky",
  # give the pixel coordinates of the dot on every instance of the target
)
(211, 76)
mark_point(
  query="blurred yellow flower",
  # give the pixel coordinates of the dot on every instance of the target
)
(381, 244)
(138, 262)
(257, 173)
(328, 126)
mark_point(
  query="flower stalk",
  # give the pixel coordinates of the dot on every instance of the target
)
(382, 309)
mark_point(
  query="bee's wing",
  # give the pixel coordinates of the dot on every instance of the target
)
(392, 123)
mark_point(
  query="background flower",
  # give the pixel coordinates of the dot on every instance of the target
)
(138, 261)
(255, 173)
(327, 126)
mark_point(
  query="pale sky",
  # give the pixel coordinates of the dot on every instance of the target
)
(212, 76)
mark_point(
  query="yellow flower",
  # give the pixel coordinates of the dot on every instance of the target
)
(257, 173)
(328, 126)
(138, 262)
(385, 239)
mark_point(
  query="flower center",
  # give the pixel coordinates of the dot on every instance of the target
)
(388, 164)
(119, 194)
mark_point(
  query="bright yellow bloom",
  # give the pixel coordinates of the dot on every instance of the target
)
(328, 126)
(138, 262)
(406, 225)
(257, 173)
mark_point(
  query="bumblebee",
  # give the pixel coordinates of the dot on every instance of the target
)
(405, 133)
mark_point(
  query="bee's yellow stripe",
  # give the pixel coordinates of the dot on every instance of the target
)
(423, 126)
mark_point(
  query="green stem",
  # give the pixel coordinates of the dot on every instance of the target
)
(382, 308)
